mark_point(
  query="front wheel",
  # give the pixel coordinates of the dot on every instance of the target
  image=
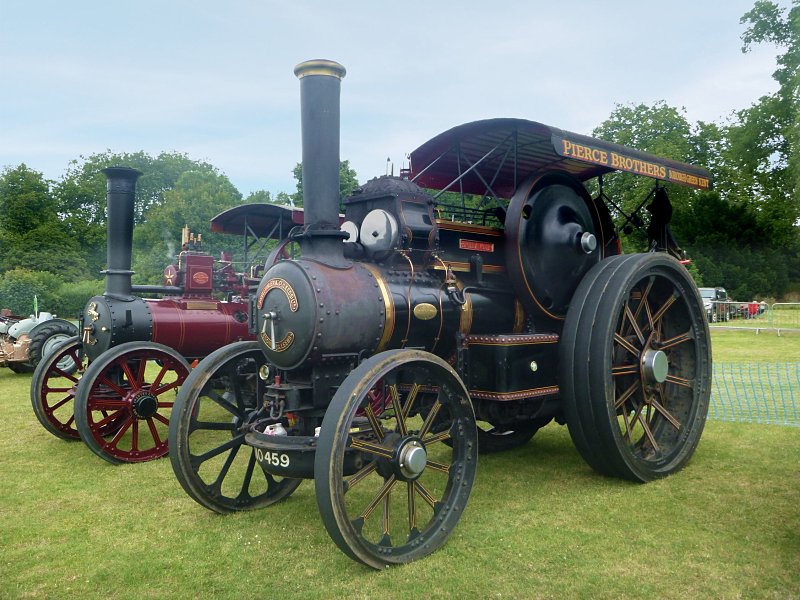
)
(53, 388)
(405, 420)
(635, 367)
(124, 400)
(214, 410)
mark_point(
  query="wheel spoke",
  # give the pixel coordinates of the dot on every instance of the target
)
(627, 345)
(161, 418)
(437, 466)
(412, 395)
(373, 421)
(401, 422)
(375, 449)
(620, 370)
(674, 341)
(244, 491)
(426, 426)
(166, 388)
(359, 475)
(647, 432)
(135, 435)
(153, 431)
(217, 485)
(679, 381)
(412, 506)
(159, 377)
(625, 395)
(384, 492)
(632, 320)
(108, 419)
(664, 307)
(439, 437)
(126, 370)
(199, 459)
(664, 412)
(426, 495)
(213, 395)
(211, 426)
(125, 426)
(113, 386)
(61, 403)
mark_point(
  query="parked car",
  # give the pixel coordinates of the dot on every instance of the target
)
(717, 304)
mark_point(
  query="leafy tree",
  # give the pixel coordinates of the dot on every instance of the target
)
(196, 198)
(31, 236)
(348, 181)
(81, 193)
(19, 286)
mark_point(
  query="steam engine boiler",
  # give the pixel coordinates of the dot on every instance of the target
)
(420, 330)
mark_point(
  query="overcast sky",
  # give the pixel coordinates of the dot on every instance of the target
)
(215, 80)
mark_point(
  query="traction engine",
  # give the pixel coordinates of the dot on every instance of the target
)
(420, 332)
(115, 384)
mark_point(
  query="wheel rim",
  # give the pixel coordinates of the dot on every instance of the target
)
(67, 362)
(410, 487)
(54, 385)
(124, 406)
(213, 412)
(656, 369)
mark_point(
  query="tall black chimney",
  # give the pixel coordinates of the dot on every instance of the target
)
(320, 84)
(121, 189)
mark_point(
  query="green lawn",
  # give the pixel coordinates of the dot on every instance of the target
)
(540, 524)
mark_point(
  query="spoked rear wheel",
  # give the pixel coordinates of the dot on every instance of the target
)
(408, 487)
(212, 414)
(124, 401)
(635, 367)
(53, 387)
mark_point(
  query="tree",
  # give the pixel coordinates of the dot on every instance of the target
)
(81, 193)
(348, 181)
(196, 198)
(31, 236)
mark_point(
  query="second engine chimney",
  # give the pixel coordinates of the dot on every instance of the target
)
(320, 84)
(121, 189)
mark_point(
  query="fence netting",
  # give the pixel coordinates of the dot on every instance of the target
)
(756, 393)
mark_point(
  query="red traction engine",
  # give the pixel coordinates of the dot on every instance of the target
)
(114, 385)
(399, 344)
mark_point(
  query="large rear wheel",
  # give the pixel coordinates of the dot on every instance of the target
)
(635, 367)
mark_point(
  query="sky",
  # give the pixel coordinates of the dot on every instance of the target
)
(215, 80)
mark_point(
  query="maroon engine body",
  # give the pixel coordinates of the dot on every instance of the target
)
(188, 318)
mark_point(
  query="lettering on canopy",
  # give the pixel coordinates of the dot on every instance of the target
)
(630, 164)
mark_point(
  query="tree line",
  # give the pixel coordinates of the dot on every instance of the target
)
(743, 235)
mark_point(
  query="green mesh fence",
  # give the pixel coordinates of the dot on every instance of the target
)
(756, 393)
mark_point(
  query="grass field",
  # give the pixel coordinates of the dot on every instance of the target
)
(540, 523)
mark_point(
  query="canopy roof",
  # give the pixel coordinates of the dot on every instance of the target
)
(261, 219)
(493, 156)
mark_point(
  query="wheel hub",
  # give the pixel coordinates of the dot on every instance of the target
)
(655, 366)
(144, 405)
(412, 459)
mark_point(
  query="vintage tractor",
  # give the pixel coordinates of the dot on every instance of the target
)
(24, 342)
(114, 385)
(399, 344)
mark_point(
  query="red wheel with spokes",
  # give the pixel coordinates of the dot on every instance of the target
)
(635, 367)
(133, 387)
(53, 389)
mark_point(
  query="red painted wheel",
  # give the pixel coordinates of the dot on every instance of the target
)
(133, 387)
(53, 389)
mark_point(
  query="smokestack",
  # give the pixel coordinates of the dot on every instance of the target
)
(320, 85)
(121, 189)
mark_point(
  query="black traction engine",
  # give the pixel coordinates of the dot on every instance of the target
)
(430, 326)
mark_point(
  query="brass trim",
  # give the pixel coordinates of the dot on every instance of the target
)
(465, 322)
(465, 227)
(200, 305)
(425, 311)
(388, 306)
(530, 393)
(320, 67)
(281, 346)
(462, 267)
